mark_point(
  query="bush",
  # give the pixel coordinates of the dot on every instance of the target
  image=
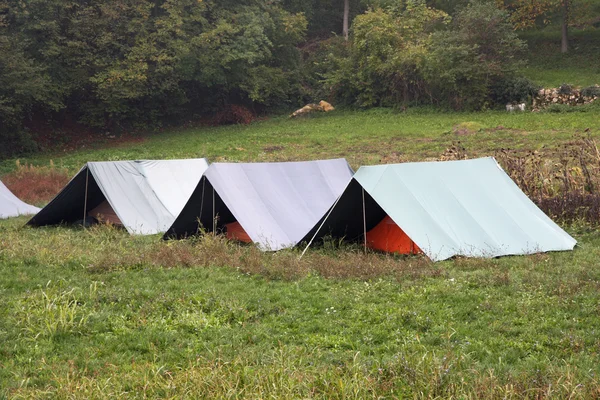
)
(16, 142)
(233, 114)
(565, 89)
(513, 89)
(591, 91)
(477, 53)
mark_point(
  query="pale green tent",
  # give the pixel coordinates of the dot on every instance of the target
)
(469, 208)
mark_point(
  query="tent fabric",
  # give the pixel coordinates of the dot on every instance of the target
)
(11, 206)
(469, 207)
(234, 231)
(145, 195)
(389, 237)
(276, 204)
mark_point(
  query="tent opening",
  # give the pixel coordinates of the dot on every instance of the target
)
(389, 237)
(234, 231)
(105, 213)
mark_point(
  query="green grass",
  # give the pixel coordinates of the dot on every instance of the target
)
(98, 314)
(364, 138)
(94, 314)
(548, 67)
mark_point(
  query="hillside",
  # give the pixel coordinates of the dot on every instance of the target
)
(548, 67)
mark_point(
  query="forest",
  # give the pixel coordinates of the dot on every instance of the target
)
(105, 67)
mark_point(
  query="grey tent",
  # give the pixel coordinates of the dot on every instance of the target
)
(144, 196)
(274, 204)
(470, 208)
(11, 206)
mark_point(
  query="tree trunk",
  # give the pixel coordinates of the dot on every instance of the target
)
(564, 43)
(346, 16)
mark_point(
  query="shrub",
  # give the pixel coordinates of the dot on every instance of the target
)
(591, 91)
(565, 89)
(16, 142)
(233, 114)
(513, 89)
(383, 63)
(479, 50)
(568, 190)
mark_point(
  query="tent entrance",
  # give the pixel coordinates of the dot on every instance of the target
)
(105, 213)
(389, 237)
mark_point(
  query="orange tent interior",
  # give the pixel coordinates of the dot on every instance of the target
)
(235, 231)
(387, 236)
(105, 213)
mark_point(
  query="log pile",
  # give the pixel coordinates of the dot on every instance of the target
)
(309, 108)
(567, 96)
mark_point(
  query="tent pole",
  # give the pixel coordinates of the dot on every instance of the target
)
(213, 213)
(364, 220)
(201, 205)
(87, 177)
(320, 226)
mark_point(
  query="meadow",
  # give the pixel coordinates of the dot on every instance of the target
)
(96, 313)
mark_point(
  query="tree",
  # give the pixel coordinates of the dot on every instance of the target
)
(529, 13)
(346, 17)
(479, 50)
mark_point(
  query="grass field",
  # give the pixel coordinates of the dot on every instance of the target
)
(364, 137)
(98, 314)
(548, 67)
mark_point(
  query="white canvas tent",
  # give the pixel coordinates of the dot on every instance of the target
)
(469, 208)
(275, 204)
(11, 206)
(145, 196)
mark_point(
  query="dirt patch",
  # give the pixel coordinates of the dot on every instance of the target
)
(272, 149)
(467, 128)
(502, 129)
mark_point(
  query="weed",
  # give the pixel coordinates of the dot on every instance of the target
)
(52, 310)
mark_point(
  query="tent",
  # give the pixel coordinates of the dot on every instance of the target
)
(11, 206)
(271, 204)
(144, 196)
(444, 209)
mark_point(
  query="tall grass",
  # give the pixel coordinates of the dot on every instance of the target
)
(36, 184)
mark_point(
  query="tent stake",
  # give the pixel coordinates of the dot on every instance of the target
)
(87, 176)
(320, 226)
(364, 220)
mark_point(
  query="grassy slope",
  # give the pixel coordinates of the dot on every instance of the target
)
(101, 314)
(364, 138)
(548, 67)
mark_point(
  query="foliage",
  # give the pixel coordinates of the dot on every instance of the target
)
(117, 64)
(408, 52)
(385, 58)
(513, 89)
(565, 89)
(527, 14)
(479, 52)
(591, 91)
